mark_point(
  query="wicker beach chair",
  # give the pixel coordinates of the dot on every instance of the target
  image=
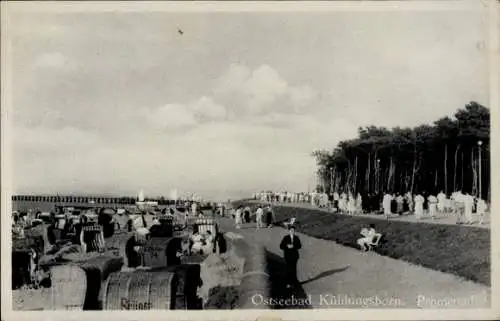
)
(68, 287)
(140, 290)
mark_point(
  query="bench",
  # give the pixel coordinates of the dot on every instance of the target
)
(374, 242)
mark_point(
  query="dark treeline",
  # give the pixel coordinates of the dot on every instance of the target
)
(448, 155)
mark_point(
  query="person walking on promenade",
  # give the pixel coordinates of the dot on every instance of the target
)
(400, 204)
(290, 244)
(269, 216)
(468, 206)
(411, 204)
(481, 208)
(386, 204)
(258, 217)
(433, 203)
(237, 217)
(419, 206)
(359, 204)
(441, 202)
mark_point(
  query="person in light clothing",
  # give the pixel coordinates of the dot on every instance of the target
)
(368, 235)
(468, 205)
(400, 204)
(481, 208)
(258, 217)
(419, 206)
(441, 197)
(433, 202)
(343, 203)
(458, 206)
(313, 198)
(409, 200)
(386, 204)
(237, 217)
(359, 203)
(351, 205)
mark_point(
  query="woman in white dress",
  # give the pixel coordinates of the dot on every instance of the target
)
(386, 204)
(433, 203)
(481, 208)
(343, 203)
(409, 199)
(419, 206)
(351, 205)
(359, 204)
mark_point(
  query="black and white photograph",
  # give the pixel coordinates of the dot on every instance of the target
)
(212, 157)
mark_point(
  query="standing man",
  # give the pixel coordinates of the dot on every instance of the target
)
(247, 214)
(336, 199)
(269, 216)
(290, 244)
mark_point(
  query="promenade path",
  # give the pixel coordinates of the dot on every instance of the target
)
(447, 219)
(335, 276)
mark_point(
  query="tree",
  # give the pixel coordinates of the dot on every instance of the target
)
(413, 159)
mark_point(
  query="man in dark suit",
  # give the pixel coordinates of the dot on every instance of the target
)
(290, 244)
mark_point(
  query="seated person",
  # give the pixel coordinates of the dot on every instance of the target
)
(208, 247)
(368, 236)
(197, 243)
(134, 258)
(201, 244)
(174, 252)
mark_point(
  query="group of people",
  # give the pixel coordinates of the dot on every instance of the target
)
(422, 204)
(264, 216)
(463, 205)
(289, 197)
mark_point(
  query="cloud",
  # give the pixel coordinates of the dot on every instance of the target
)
(51, 140)
(169, 117)
(54, 60)
(262, 94)
(301, 96)
(261, 90)
(205, 107)
(233, 80)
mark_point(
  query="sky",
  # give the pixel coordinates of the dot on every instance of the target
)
(111, 103)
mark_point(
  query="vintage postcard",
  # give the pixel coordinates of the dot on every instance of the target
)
(249, 160)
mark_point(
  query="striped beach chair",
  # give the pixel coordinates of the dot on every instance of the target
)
(206, 224)
(93, 238)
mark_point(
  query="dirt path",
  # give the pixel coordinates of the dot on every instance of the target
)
(334, 276)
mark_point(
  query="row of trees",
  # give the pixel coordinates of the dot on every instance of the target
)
(449, 155)
(126, 200)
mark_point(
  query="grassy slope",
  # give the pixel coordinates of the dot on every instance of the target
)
(460, 250)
